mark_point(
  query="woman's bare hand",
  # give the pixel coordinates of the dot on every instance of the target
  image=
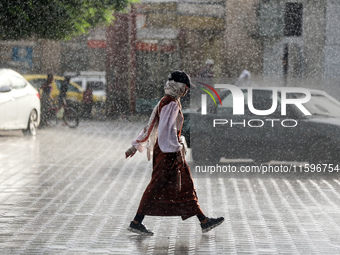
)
(130, 152)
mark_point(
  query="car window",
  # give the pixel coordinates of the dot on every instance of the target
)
(78, 82)
(37, 83)
(96, 85)
(227, 105)
(73, 88)
(58, 83)
(262, 100)
(321, 105)
(17, 82)
(4, 82)
(70, 87)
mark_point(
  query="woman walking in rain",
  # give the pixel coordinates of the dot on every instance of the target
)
(171, 191)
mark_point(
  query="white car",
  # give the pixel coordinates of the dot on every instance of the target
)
(96, 80)
(19, 103)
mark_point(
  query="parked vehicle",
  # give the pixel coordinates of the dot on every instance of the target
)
(96, 80)
(19, 103)
(74, 93)
(291, 137)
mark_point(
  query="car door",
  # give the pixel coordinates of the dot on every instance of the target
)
(260, 122)
(284, 136)
(231, 134)
(7, 104)
(22, 100)
(73, 93)
(231, 129)
(247, 130)
(246, 135)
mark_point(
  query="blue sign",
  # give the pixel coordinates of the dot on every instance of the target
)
(23, 54)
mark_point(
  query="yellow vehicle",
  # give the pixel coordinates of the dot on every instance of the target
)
(74, 92)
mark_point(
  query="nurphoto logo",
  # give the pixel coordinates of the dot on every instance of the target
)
(239, 104)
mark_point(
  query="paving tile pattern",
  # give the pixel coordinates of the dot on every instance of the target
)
(71, 191)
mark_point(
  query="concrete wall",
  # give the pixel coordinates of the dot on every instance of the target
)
(31, 56)
(243, 47)
(199, 26)
(332, 43)
(314, 37)
(118, 66)
(43, 56)
(226, 31)
(306, 53)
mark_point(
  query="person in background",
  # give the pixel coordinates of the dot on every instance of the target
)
(244, 80)
(63, 91)
(46, 99)
(171, 191)
(207, 71)
(88, 101)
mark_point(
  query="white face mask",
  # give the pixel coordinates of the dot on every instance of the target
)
(175, 89)
(186, 91)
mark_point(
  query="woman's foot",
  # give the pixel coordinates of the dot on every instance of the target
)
(139, 228)
(209, 223)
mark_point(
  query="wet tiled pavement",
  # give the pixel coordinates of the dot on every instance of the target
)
(71, 191)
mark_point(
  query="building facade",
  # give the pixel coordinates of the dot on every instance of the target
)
(170, 35)
(281, 43)
(300, 42)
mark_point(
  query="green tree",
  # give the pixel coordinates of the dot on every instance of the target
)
(54, 19)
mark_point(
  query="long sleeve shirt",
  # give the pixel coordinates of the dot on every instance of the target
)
(170, 122)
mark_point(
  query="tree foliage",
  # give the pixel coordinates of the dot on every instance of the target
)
(54, 19)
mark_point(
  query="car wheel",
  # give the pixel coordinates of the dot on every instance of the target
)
(203, 150)
(71, 117)
(52, 120)
(32, 125)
